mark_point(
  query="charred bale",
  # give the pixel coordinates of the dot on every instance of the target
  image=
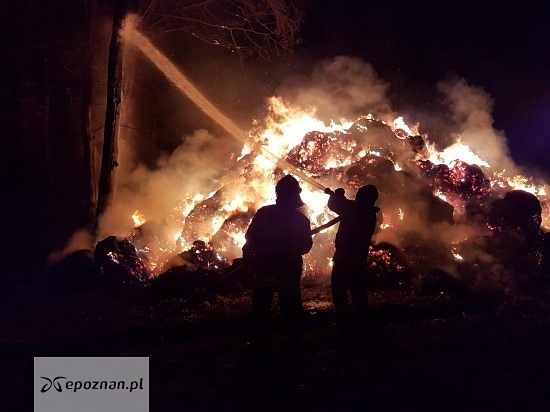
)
(183, 282)
(518, 211)
(118, 259)
(373, 133)
(77, 271)
(545, 260)
(369, 169)
(499, 263)
(469, 181)
(388, 267)
(438, 175)
(538, 251)
(435, 210)
(439, 211)
(240, 273)
(417, 143)
(440, 282)
(425, 254)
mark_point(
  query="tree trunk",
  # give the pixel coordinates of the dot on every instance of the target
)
(110, 146)
(87, 134)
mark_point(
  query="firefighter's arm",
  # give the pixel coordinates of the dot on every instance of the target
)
(253, 233)
(338, 202)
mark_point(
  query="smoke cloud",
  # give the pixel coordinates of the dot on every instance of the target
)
(342, 87)
(193, 167)
(471, 109)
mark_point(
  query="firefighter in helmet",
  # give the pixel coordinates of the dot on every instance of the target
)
(357, 226)
(278, 236)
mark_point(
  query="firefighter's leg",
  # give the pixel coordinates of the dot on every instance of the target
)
(359, 294)
(339, 286)
(291, 307)
(262, 297)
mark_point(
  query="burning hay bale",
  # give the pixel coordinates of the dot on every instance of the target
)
(317, 150)
(200, 219)
(465, 180)
(197, 273)
(202, 256)
(153, 242)
(118, 258)
(230, 237)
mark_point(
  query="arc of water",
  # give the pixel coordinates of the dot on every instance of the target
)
(130, 34)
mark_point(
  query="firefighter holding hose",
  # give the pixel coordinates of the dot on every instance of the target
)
(358, 221)
(276, 239)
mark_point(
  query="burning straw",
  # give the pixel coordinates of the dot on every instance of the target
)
(432, 200)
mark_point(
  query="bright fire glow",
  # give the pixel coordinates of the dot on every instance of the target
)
(457, 151)
(457, 255)
(138, 218)
(399, 124)
(208, 217)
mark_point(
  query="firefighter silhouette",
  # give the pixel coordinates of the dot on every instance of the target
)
(353, 238)
(278, 236)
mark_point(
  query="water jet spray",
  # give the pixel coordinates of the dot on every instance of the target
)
(131, 35)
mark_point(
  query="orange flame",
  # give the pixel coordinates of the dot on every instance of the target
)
(283, 130)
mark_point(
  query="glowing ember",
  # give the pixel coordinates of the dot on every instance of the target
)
(456, 255)
(401, 214)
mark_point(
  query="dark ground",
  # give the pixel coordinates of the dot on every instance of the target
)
(421, 353)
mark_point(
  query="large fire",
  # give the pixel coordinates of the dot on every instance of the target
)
(346, 153)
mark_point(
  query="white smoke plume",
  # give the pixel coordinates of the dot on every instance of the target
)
(82, 239)
(342, 87)
(471, 109)
(193, 167)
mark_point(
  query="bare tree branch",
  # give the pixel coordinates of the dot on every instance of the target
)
(248, 27)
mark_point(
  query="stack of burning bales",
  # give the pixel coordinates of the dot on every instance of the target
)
(507, 251)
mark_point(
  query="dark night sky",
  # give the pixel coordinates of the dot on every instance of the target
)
(503, 48)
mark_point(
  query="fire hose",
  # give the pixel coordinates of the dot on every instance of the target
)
(314, 231)
(326, 225)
